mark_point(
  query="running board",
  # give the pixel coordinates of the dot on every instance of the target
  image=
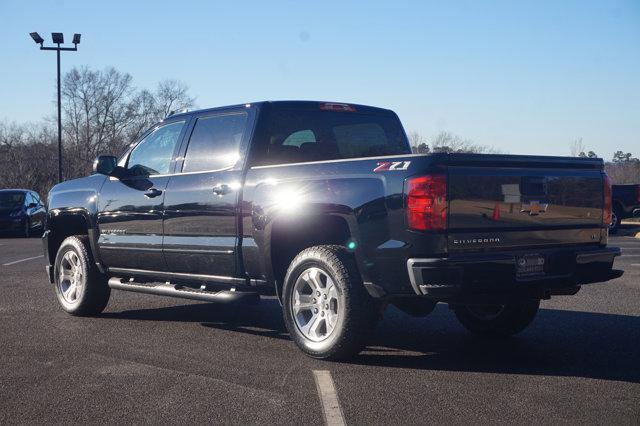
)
(185, 292)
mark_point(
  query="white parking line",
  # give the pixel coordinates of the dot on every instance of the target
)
(630, 255)
(328, 398)
(22, 260)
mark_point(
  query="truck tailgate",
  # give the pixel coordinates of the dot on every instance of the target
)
(521, 201)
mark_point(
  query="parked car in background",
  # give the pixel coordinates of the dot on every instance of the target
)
(21, 212)
(626, 204)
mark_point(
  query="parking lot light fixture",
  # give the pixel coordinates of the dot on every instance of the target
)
(36, 37)
(58, 39)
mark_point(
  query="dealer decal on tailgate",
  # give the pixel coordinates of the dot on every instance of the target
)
(392, 165)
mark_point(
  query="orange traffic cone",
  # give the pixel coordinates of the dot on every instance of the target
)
(496, 212)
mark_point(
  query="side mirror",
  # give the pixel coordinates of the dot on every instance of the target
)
(32, 205)
(104, 164)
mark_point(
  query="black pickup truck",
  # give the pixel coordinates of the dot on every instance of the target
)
(323, 205)
(626, 204)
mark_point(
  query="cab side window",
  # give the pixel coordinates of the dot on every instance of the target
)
(215, 142)
(153, 155)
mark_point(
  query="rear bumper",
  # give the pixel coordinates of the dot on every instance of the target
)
(495, 273)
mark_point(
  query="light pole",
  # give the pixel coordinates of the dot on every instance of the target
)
(58, 39)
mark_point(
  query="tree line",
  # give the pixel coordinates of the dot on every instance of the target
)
(622, 168)
(446, 142)
(102, 113)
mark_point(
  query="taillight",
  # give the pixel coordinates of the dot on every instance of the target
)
(608, 201)
(427, 202)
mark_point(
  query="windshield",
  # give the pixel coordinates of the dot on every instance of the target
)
(304, 135)
(10, 200)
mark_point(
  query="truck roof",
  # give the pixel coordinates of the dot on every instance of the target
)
(287, 104)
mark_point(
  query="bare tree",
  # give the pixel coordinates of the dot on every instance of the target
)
(97, 113)
(448, 142)
(418, 143)
(27, 156)
(103, 113)
(172, 95)
(577, 148)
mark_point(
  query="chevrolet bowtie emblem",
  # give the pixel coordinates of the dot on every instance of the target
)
(534, 208)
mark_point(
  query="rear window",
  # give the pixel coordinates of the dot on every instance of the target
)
(297, 136)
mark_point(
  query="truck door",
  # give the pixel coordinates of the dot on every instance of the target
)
(130, 207)
(201, 201)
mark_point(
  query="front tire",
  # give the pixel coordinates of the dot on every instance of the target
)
(81, 289)
(497, 320)
(327, 310)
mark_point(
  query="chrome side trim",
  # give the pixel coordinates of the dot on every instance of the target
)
(339, 160)
(118, 247)
(197, 251)
(179, 275)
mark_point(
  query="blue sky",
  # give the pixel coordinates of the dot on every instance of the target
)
(524, 77)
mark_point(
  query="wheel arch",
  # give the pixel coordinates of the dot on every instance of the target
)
(62, 224)
(289, 236)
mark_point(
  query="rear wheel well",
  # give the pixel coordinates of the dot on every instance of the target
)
(62, 227)
(290, 237)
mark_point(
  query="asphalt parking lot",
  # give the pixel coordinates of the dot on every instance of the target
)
(150, 359)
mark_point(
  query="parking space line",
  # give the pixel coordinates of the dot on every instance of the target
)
(328, 398)
(22, 260)
(630, 255)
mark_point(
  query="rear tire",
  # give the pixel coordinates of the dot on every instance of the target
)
(615, 221)
(327, 310)
(81, 289)
(498, 320)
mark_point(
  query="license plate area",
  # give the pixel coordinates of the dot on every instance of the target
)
(530, 265)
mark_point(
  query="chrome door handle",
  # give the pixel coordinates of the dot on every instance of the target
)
(221, 189)
(153, 192)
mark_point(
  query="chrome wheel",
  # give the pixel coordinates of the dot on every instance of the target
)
(71, 277)
(315, 305)
(486, 312)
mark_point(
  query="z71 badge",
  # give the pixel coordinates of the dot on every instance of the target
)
(392, 165)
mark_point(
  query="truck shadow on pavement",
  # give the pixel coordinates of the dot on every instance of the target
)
(558, 343)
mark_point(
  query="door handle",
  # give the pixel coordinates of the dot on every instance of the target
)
(153, 192)
(221, 189)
